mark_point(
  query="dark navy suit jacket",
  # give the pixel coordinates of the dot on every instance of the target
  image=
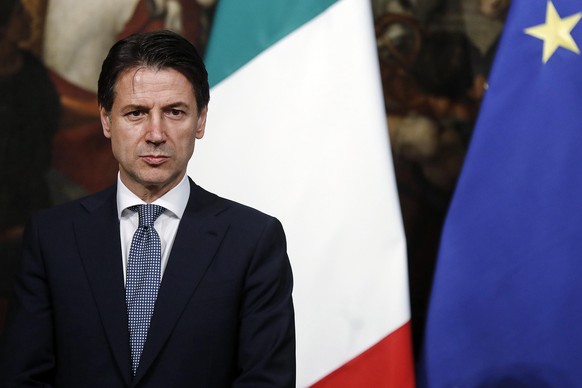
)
(224, 314)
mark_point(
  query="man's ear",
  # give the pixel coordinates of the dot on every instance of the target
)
(201, 123)
(105, 122)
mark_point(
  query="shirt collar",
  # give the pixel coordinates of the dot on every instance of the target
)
(174, 200)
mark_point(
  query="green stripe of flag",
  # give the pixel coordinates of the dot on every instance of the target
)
(242, 29)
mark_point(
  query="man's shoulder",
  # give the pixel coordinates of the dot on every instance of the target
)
(235, 212)
(79, 206)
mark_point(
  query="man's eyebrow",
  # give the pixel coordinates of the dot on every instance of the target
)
(177, 104)
(132, 107)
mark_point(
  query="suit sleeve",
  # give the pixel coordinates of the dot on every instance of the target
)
(27, 356)
(267, 332)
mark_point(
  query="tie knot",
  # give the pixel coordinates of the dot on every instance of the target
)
(148, 213)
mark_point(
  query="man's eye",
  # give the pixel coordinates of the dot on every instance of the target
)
(176, 112)
(134, 114)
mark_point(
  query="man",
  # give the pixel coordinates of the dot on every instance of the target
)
(82, 308)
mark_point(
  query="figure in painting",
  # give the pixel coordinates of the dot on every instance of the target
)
(29, 114)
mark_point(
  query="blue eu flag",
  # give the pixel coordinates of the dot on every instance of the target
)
(506, 304)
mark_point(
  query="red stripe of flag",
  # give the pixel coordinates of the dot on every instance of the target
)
(388, 364)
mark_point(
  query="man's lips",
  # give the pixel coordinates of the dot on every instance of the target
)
(154, 160)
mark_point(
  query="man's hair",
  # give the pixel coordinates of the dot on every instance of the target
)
(154, 50)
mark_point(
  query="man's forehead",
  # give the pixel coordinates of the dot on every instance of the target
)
(153, 75)
(144, 82)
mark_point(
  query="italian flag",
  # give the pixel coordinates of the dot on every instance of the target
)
(297, 128)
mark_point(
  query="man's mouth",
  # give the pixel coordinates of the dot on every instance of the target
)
(154, 160)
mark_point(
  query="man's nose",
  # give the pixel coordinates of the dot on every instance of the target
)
(155, 131)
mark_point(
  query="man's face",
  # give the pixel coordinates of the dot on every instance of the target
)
(153, 125)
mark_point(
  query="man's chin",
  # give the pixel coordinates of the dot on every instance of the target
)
(154, 181)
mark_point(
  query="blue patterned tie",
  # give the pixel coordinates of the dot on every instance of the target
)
(143, 278)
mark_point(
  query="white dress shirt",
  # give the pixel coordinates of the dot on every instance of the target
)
(174, 201)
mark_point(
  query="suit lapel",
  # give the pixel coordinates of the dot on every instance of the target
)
(197, 240)
(99, 244)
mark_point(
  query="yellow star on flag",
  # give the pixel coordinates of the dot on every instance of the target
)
(555, 32)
